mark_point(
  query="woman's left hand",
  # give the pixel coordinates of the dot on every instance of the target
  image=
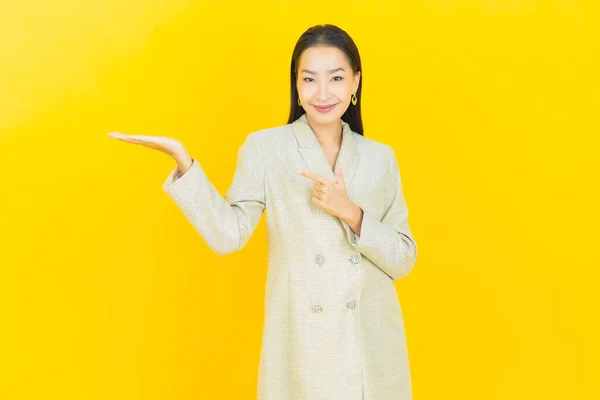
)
(330, 195)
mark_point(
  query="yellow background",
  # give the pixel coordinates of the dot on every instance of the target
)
(107, 292)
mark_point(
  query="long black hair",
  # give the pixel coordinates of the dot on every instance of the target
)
(333, 36)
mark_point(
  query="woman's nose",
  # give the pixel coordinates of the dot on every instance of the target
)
(323, 91)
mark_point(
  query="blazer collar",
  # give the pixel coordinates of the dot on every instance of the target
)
(314, 156)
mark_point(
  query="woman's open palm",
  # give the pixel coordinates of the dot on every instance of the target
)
(167, 145)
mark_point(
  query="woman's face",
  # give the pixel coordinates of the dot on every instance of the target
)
(325, 78)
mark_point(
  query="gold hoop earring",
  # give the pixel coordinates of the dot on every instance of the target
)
(299, 101)
(354, 99)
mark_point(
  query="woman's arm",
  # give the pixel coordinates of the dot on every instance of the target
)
(226, 224)
(388, 243)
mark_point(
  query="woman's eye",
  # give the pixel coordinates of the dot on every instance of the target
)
(305, 79)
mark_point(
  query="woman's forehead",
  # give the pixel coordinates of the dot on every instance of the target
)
(323, 59)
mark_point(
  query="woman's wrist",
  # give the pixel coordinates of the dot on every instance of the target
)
(184, 162)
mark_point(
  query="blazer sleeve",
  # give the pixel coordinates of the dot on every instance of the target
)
(226, 224)
(388, 243)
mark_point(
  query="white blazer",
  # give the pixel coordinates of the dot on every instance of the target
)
(333, 326)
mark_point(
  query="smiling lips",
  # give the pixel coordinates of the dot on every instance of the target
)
(325, 107)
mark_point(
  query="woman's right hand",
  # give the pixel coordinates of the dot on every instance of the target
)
(171, 147)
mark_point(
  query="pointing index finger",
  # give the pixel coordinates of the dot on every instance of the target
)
(312, 176)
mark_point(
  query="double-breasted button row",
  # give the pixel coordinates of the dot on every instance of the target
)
(354, 259)
(317, 308)
(320, 259)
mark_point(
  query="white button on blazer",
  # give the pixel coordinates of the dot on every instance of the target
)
(333, 325)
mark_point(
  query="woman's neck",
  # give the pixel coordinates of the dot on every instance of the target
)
(329, 136)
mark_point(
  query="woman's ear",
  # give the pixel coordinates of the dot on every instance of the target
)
(356, 81)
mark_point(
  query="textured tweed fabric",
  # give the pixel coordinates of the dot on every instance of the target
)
(333, 326)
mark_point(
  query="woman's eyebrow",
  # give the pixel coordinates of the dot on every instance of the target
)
(331, 71)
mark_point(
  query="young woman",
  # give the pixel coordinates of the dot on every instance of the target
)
(337, 230)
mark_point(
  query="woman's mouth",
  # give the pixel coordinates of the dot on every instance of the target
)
(325, 108)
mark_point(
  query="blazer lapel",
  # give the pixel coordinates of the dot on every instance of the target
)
(315, 158)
